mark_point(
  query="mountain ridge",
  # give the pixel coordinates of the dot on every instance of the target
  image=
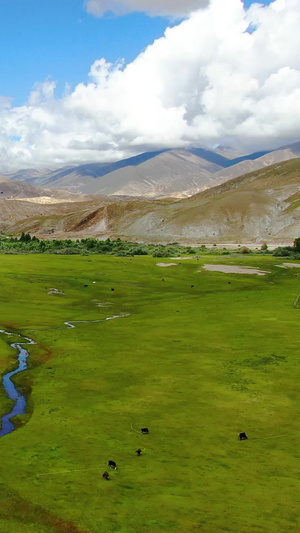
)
(177, 173)
(93, 177)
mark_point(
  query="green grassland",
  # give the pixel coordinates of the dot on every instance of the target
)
(197, 360)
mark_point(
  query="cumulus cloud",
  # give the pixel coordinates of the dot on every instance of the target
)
(208, 80)
(177, 8)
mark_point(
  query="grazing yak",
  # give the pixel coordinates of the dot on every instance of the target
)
(144, 431)
(112, 464)
(139, 451)
(105, 475)
(243, 436)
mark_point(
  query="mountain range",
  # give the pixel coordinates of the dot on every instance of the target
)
(176, 173)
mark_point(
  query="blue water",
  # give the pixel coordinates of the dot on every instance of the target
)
(20, 400)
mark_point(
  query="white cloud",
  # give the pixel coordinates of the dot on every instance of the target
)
(5, 102)
(177, 8)
(206, 81)
(42, 93)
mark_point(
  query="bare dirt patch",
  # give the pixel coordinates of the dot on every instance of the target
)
(292, 265)
(184, 258)
(166, 264)
(56, 291)
(103, 304)
(44, 200)
(235, 269)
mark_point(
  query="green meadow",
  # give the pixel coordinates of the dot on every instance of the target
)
(195, 356)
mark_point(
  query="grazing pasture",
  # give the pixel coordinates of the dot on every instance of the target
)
(197, 359)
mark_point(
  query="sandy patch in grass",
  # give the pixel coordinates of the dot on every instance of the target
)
(235, 269)
(56, 291)
(292, 265)
(184, 258)
(166, 264)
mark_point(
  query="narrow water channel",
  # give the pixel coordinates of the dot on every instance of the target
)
(19, 408)
(20, 401)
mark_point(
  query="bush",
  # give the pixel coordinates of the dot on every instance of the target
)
(286, 251)
(123, 253)
(297, 244)
(140, 250)
(158, 253)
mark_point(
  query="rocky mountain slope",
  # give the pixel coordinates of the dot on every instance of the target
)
(176, 173)
(244, 167)
(261, 206)
(21, 201)
(10, 189)
(160, 174)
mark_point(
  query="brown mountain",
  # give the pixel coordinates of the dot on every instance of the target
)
(261, 206)
(20, 189)
(175, 173)
(249, 165)
(165, 173)
(21, 201)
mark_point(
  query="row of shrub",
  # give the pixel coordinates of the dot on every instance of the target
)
(28, 244)
(31, 244)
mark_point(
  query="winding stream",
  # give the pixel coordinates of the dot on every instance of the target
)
(71, 323)
(19, 408)
(20, 400)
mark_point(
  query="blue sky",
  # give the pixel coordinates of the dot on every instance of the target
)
(59, 40)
